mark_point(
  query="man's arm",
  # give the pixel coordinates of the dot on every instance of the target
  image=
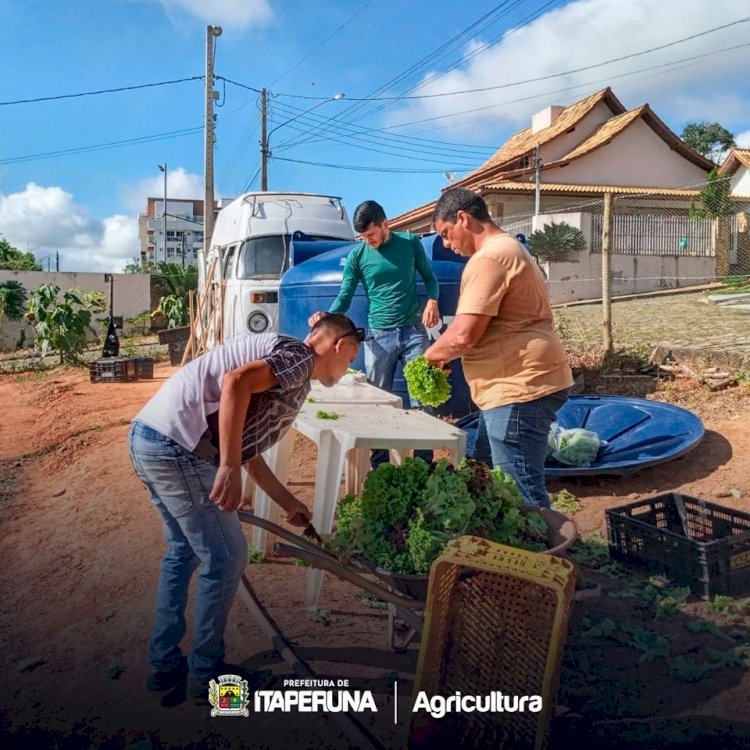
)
(431, 314)
(237, 389)
(461, 335)
(296, 512)
(349, 283)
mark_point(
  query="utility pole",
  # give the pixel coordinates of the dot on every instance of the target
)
(57, 261)
(183, 249)
(209, 139)
(264, 153)
(163, 168)
(537, 179)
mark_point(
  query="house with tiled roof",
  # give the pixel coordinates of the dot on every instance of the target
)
(737, 167)
(587, 149)
(570, 158)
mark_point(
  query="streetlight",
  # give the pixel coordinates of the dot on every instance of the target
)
(265, 151)
(163, 168)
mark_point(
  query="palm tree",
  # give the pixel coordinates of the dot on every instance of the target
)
(557, 242)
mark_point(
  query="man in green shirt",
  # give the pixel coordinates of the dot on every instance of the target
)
(387, 264)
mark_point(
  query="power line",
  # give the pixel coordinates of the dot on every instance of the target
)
(541, 78)
(351, 110)
(469, 163)
(488, 45)
(369, 136)
(693, 58)
(102, 146)
(362, 128)
(252, 179)
(100, 91)
(361, 168)
(324, 42)
(435, 54)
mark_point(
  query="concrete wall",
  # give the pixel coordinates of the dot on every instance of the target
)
(631, 274)
(132, 295)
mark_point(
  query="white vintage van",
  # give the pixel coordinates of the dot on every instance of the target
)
(251, 240)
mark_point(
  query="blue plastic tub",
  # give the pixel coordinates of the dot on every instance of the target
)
(639, 433)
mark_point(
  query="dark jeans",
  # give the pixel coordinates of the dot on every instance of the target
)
(384, 349)
(514, 438)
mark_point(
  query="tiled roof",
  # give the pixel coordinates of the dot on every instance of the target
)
(561, 187)
(604, 133)
(613, 127)
(525, 140)
(515, 186)
(501, 171)
(737, 157)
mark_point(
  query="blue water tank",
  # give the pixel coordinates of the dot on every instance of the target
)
(313, 284)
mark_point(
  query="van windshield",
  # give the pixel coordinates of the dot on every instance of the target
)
(268, 257)
(264, 257)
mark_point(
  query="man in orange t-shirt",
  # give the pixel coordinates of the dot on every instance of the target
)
(513, 360)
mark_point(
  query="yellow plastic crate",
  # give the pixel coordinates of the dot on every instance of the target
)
(496, 620)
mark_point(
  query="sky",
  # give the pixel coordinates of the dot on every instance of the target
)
(687, 58)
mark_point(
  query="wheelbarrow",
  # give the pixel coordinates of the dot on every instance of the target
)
(405, 595)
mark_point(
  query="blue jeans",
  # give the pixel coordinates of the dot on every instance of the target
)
(197, 533)
(514, 437)
(384, 349)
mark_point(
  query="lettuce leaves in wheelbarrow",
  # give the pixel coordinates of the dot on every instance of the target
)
(407, 514)
(427, 384)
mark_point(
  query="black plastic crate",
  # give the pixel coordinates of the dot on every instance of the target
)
(113, 370)
(176, 352)
(144, 368)
(684, 541)
(169, 335)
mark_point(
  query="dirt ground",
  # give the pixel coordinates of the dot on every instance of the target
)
(81, 546)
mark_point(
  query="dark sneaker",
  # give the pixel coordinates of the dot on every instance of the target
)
(164, 680)
(196, 690)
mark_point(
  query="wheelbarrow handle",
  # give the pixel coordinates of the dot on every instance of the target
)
(280, 531)
(325, 562)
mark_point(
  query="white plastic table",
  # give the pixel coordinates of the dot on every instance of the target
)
(353, 389)
(360, 426)
(357, 391)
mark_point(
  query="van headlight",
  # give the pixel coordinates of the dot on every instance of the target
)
(257, 322)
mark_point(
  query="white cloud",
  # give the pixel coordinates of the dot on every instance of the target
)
(180, 184)
(238, 14)
(586, 32)
(743, 139)
(46, 219)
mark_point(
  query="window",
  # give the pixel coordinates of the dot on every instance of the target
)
(268, 257)
(264, 257)
(229, 258)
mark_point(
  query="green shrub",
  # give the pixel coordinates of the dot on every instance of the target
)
(557, 242)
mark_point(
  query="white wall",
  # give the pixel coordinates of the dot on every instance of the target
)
(566, 142)
(132, 295)
(578, 220)
(631, 274)
(740, 181)
(635, 157)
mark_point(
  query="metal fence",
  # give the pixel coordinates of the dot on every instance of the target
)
(667, 279)
(652, 234)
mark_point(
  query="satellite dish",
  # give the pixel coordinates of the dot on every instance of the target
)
(450, 177)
